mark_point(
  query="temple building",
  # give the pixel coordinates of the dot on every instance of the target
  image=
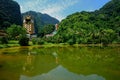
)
(28, 24)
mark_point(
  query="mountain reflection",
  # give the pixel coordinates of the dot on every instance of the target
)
(61, 73)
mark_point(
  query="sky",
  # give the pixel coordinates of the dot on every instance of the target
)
(60, 9)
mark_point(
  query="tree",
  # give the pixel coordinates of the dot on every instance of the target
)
(23, 40)
(14, 31)
(4, 40)
(107, 36)
(47, 29)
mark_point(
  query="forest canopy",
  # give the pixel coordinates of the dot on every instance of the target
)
(100, 26)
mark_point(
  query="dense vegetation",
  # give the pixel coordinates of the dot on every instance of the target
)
(47, 29)
(41, 20)
(9, 13)
(14, 31)
(101, 26)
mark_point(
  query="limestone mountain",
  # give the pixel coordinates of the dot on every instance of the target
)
(9, 13)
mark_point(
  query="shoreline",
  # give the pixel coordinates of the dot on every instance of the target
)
(59, 45)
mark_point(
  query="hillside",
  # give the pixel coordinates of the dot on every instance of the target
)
(9, 13)
(112, 12)
(41, 19)
(101, 26)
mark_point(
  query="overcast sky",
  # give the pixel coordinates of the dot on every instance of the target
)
(60, 8)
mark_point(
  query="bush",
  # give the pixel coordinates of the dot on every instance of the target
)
(4, 40)
(70, 42)
(23, 41)
(40, 41)
(34, 40)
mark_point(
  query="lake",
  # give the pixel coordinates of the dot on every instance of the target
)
(60, 63)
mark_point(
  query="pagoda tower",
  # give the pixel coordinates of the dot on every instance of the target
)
(28, 24)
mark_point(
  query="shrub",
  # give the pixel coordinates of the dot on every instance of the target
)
(23, 41)
(40, 41)
(4, 40)
(34, 40)
(70, 42)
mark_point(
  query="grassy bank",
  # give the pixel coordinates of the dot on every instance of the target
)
(15, 44)
(10, 44)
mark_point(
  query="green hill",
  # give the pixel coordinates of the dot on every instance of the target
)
(100, 26)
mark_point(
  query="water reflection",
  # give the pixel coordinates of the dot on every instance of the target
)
(56, 57)
(28, 66)
(60, 63)
(61, 73)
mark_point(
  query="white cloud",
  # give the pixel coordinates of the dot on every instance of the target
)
(58, 8)
(54, 8)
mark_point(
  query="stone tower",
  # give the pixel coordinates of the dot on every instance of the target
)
(28, 24)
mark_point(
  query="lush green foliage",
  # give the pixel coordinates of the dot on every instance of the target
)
(23, 40)
(47, 29)
(3, 40)
(14, 31)
(34, 41)
(9, 13)
(38, 41)
(102, 26)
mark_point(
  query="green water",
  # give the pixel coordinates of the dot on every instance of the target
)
(60, 63)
